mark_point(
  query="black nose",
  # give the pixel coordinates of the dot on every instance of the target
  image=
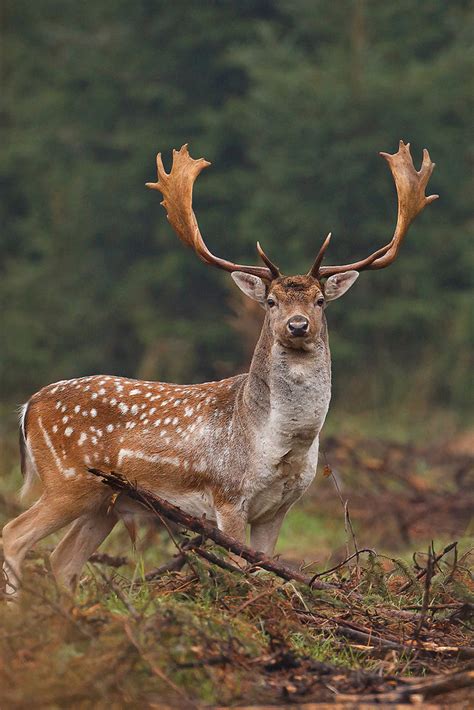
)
(298, 325)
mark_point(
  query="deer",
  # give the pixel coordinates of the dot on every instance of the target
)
(240, 451)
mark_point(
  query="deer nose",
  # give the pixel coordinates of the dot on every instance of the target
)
(298, 325)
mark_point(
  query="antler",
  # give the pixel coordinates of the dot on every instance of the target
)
(411, 185)
(177, 190)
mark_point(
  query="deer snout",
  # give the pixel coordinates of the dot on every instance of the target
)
(298, 325)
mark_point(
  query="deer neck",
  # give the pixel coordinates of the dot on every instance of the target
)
(289, 390)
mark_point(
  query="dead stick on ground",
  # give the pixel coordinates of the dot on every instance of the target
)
(426, 592)
(218, 561)
(161, 507)
(174, 565)
(344, 562)
(437, 686)
(102, 558)
(372, 638)
(178, 561)
(422, 572)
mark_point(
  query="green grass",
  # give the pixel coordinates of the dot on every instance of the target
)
(309, 536)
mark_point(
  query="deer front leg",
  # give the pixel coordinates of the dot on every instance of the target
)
(231, 518)
(264, 535)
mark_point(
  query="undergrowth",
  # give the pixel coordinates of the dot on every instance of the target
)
(205, 635)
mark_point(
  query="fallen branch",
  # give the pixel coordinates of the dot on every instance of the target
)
(423, 572)
(374, 640)
(201, 526)
(344, 562)
(178, 561)
(424, 689)
(102, 558)
(174, 565)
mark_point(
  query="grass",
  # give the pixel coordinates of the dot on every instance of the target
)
(210, 636)
(309, 536)
(205, 636)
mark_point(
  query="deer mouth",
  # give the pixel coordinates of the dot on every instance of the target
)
(297, 342)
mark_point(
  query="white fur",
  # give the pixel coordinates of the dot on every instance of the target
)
(31, 472)
(287, 447)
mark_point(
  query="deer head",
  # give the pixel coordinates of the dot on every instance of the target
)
(294, 304)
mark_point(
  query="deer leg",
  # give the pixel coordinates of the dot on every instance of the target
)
(46, 516)
(232, 520)
(264, 535)
(80, 542)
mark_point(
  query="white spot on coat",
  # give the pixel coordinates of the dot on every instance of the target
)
(153, 458)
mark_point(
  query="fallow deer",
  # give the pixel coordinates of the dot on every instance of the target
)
(240, 451)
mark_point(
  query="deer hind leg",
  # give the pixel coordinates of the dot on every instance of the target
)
(48, 515)
(80, 542)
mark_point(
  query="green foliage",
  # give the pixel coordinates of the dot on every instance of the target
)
(291, 101)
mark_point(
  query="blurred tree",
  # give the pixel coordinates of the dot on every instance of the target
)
(330, 85)
(291, 100)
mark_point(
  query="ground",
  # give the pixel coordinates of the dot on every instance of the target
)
(395, 624)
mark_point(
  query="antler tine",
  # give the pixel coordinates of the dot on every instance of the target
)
(273, 268)
(314, 271)
(177, 190)
(410, 185)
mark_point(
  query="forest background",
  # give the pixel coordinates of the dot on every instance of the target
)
(291, 100)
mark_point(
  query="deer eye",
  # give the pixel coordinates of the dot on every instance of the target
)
(271, 302)
(320, 302)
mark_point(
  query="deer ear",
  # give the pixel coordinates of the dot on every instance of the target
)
(338, 284)
(252, 286)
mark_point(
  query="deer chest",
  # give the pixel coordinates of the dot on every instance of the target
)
(284, 472)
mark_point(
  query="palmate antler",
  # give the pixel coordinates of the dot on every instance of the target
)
(177, 190)
(411, 185)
